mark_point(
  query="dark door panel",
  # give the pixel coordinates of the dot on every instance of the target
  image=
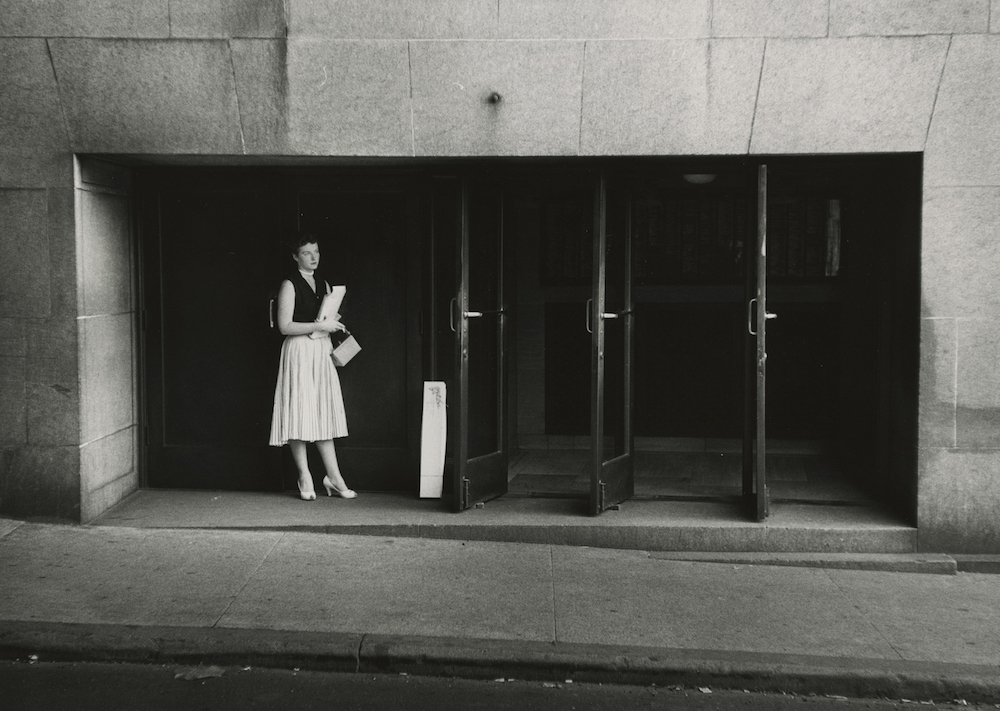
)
(480, 318)
(567, 369)
(363, 248)
(611, 326)
(213, 257)
(210, 352)
(755, 491)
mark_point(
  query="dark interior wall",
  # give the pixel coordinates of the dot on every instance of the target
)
(825, 349)
(362, 248)
(443, 216)
(900, 331)
(688, 370)
(483, 263)
(212, 256)
(528, 369)
(215, 244)
(878, 326)
(567, 370)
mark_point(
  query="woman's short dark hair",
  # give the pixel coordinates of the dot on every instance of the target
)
(300, 240)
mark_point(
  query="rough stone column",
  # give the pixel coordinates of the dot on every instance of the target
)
(39, 383)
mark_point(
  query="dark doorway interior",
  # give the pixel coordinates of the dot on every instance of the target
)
(843, 241)
(214, 252)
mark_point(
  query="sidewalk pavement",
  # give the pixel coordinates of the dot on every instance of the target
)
(484, 609)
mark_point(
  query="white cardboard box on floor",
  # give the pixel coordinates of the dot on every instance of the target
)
(433, 439)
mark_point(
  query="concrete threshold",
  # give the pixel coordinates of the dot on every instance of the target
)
(501, 659)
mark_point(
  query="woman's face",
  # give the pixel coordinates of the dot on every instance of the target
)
(307, 257)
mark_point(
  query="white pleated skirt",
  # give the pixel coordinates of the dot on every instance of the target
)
(308, 402)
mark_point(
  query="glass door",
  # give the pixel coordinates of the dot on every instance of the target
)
(755, 491)
(610, 322)
(478, 318)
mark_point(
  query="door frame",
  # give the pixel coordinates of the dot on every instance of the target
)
(755, 491)
(479, 478)
(612, 481)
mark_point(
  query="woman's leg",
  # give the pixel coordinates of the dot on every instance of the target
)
(329, 454)
(298, 448)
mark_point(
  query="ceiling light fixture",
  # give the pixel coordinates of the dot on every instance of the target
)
(699, 178)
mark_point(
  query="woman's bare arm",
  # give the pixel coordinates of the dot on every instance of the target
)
(286, 307)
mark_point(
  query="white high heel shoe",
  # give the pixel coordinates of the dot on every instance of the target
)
(306, 495)
(330, 489)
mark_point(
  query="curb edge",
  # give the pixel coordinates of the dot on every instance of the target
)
(491, 659)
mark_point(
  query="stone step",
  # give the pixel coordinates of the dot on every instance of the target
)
(677, 526)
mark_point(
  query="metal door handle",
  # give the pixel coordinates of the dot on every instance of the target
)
(487, 312)
(767, 316)
(604, 315)
(467, 314)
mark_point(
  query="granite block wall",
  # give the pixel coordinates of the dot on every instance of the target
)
(39, 414)
(286, 79)
(908, 17)
(106, 332)
(960, 454)
(852, 95)
(678, 97)
(539, 84)
(39, 387)
(638, 19)
(349, 98)
(393, 20)
(151, 96)
(34, 143)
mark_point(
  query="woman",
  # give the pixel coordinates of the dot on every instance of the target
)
(308, 404)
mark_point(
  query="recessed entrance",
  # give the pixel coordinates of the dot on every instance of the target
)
(484, 276)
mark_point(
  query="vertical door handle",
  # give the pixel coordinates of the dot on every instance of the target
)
(767, 316)
(590, 307)
(451, 314)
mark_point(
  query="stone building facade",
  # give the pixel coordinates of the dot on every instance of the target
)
(88, 92)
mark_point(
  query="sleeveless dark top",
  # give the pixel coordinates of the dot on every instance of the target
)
(307, 301)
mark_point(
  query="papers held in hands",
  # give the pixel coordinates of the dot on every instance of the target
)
(330, 308)
(345, 346)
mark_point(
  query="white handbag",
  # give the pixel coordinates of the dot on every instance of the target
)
(345, 347)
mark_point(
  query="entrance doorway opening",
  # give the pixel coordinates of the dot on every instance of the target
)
(842, 267)
(527, 286)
